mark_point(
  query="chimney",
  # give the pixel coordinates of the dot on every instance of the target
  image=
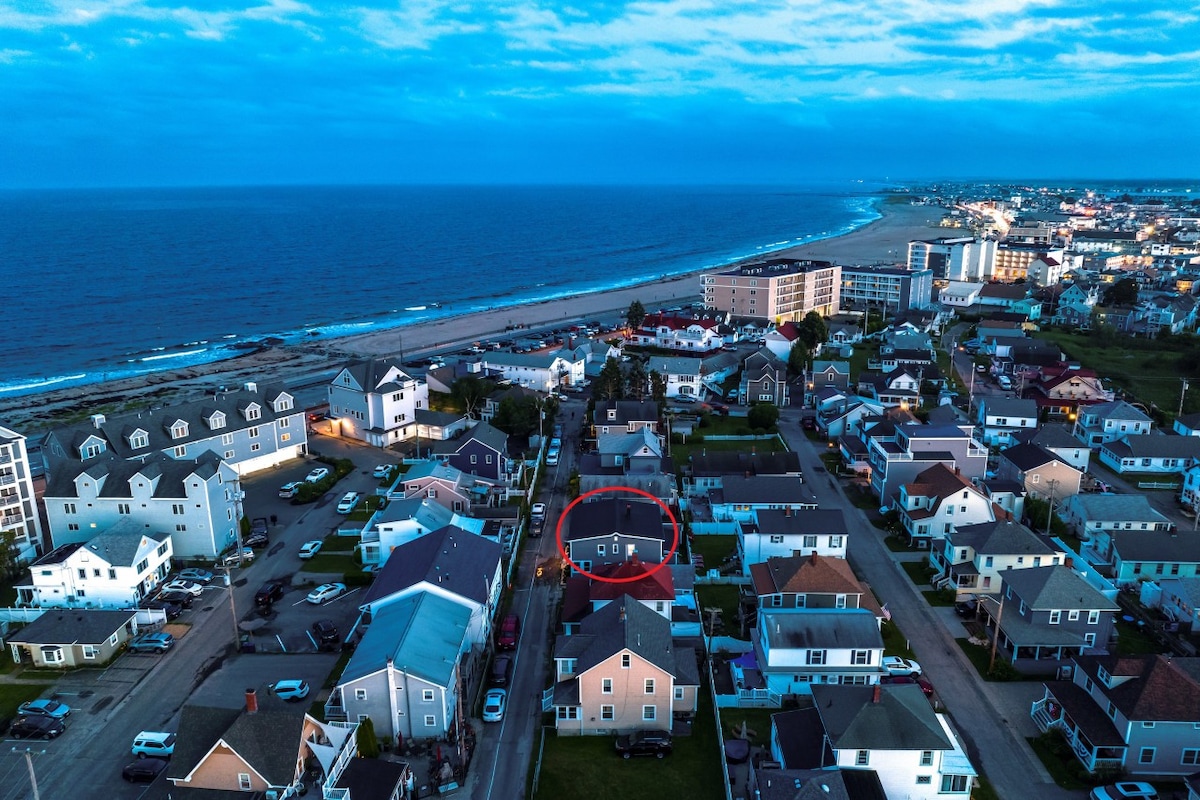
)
(621, 615)
(787, 511)
(1069, 562)
(633, 560)
(629, 509)
(877, 693)
(251, 701)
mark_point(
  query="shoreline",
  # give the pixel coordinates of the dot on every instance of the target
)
(881, 241)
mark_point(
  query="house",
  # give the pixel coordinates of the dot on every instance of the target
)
(450, 563)
(1060, 441)
(446, 485)
(654, 588)
(375, 401)
(542, 371)
(1008, 496)
(1129, 714)
(911, 448)
(959, 294)
(439, 426)
(809, 582)
(672, 332)
(835, 419)
(407, 671)
(1000, 418)
(972, 558)
(114, 569)
(1169, 455)
(483, 451)
(1148, 555)
(893, 731)
(197, 500)
(611, 416)
(782, 532)
(900, 386)
(680, 374)
(1042, 473)
(707, 471)
(1180, 602)
(1101, 423)
(402, 521)
(795, 651)
(69, 638)
(764, 380)
(611, 531)
(266, 748)
(810, 784)
(20, 523)
(1046, 615)
(250, 429)
(741, 497)
(938, 501)
(640, 452)
(1187, 425)
(781, 339)
(1089, 514)
(622, 672)
(826, 375)
(1062, 389)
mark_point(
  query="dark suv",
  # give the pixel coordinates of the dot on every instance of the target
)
(258, 536)
(644, 743)
(268, 593)
(326, 634)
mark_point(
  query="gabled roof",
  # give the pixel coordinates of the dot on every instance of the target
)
(788, 330)
(1154, 445)
(938, 481)
(1152, 688)
(73, 626)
(674, 322)
(624, 624)
(673, 365)
(801, 521)
(635, 582)
(120, 544)
(736, 462)
(421, 510)
(268, 740)
(168, 474)
(1115, 507)
(494, 438)
(1050, 436)
(842, 629)
(1002, 537)
(1055, 587)
(1011, 407)
(605, 517)
(459, 562)
(421, 635)
(625, 443)
(1169, 547)
(765, 489)
(1117, 409)
(881, 717)
(372, 373)
(626, 411)
(1030, 456)
(812, 574)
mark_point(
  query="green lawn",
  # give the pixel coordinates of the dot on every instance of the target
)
(1055, 755)
(894, 642)
(323, 561)
(757, 720)
(1132, 640)
(939, 598)
(13, 694)
(918, 571)
(714, 549)
(724, 597)
(586, 768)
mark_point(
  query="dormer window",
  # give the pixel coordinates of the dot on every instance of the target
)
(92, 448)
(282, 403)
(179, 429)
(253, 411)
(216, 421)
(139, 439)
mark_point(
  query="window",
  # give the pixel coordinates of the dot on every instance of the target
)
(226, 439)
(862, 758)
(360, 694)
(253, 412)
(255, 447)
(568, 712)
(427, 695)
(924, 780)
(678, 692)
(1111, 711)
(835, 542)
(624, 660)
(1089, 639)
(68, 508)
(776, 539)
(82, 573)
(926, 758)
(954, 783)
(1073, 615)
(649, 688)
(285, 437)
(112, 574)
(1055, 617)
(606, 686)
(600, 550)
(1191, 756)
(860, 657)
(607, 714)
(649, 713)
(253, 432)
(815, 657)
(430, 720)
(138, 441)
(180, 528)
(1093, 617)
(809, 542)
(1146, 755)
(244, 781)
(122, 508)
(90, 651)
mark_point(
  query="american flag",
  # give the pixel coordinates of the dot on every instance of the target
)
(887, 615)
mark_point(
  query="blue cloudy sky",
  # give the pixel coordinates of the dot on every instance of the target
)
(149, 92)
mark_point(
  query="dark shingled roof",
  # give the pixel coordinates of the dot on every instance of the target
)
(460, 562)
(801, 521)
(801, 739)
(1044, 588)
(901, 719)
(372, 778)
(1150, 687)
(268, 740)
(66, 626)
(852, 628)
(605, 517)
(733, 462)
(1002, 537)
(117, 473)
(623, 624)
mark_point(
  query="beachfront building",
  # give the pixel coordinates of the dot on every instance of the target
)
(19, 521)
(542, 371)
(672, 332)
(895, 289)
(198, 502)
(250, 429)
(778, 290)
(953, 258)
(376, 401)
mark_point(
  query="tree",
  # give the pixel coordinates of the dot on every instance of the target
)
(471, 391)
(658, 387)
(368, 744)
(635, 380)
(635, 314)
(797, 358)
(610, 383)
(517, 417)
(1122, 293)
(762, 416)
(812, 330)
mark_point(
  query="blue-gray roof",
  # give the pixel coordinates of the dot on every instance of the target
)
(462, 563)
(899, 719)
(839, 629)
(423, 635)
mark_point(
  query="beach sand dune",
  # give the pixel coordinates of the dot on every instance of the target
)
(884, 241)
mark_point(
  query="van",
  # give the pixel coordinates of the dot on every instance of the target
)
(153, 743)
(501, 674)
(509, 633)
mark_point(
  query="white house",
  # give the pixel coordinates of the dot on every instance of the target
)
(680, 373)
(1088, 514)
(796, 650)
(1107, 422)
(679, 333)
(404, 520)
(376, 401)
(542, 371)
(783, 532)
(114, 569)
(938, 501)
(1151, 453)
(1000, 418)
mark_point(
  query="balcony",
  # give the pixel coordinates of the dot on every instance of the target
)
(335, 710)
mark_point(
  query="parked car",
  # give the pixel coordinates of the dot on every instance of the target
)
(188, 587)
(326, 634)
(502, 669)
(144, 770)
(289, 489)
(310, 549)
(1125, 789)
(195, 575)
(317, 475)
(966, 607)
(552, 458)
(156, 744)
(383, 470)
(558, 430)
(171, 610)
(895, 665)
(37, 728)
(158, 642)
(348, 502)
(232, 558)
(493, 705)
(291, 690)
(537, 511)
(644, 743)
(268, 593)
(182, 599)
(509, 633)
(44, 708)
(1004, 382)
(325, 592)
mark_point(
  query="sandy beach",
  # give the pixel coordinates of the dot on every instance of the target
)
(884, 241)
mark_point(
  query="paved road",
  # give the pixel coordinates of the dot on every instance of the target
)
(992, 718)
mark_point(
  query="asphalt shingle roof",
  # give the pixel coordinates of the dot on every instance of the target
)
(421, 634)
(1047, 588)
(459, 562)
(901, 718)
(605, 517)
(827, 629)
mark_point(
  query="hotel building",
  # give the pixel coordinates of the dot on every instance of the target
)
(777, 291)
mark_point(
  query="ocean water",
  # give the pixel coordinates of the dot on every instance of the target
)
(102, 284)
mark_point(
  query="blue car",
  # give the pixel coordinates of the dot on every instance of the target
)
(44, 708)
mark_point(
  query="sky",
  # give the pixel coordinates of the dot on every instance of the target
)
(100, 93)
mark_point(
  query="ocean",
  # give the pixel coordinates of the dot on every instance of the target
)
(106, 284)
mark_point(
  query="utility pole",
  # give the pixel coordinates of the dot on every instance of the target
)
(32, 775)
(1050, 497)
(996, 636)
(1182, 394)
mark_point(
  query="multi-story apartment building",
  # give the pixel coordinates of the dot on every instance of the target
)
(777, 291)
(18, 507)
(376, 401)
(1012, 261)
(897, 289)
(899, 458)
(957, 258)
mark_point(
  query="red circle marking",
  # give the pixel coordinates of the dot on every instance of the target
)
(558, 537)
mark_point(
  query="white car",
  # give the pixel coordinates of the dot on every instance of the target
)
(317, 475)
(552, 458)
(348, 502)
(1125, 789)
(194, 589)
(493, 705)
(232, 559)
(538, 511)
(325, 592)
(290, 690)
(310, 549)
(1004, 382)
(383, 470)
(895, 665)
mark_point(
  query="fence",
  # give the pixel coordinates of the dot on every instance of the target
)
(1172, 485)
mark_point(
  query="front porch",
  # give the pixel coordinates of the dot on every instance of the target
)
(1030, 648)
(1094, 740)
